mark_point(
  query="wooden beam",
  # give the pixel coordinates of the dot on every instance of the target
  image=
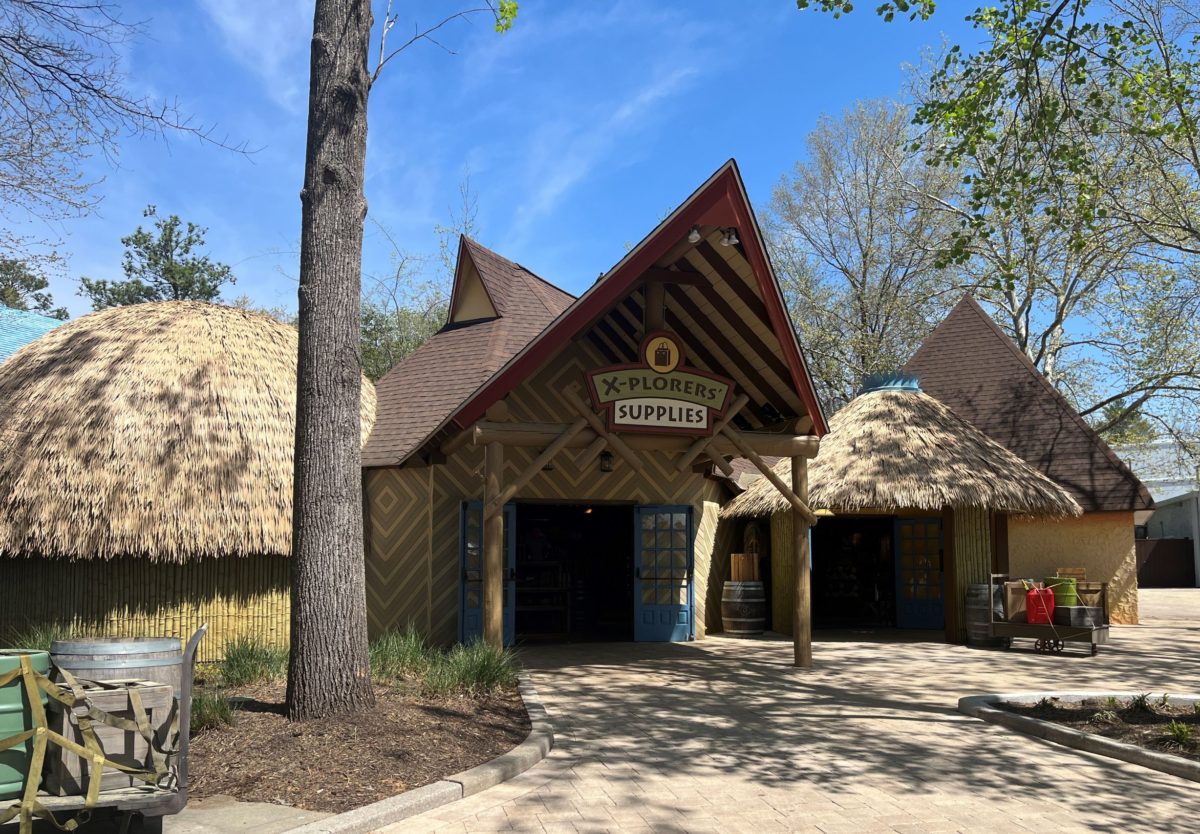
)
(696, 448)
(798, 504)
(655, 307)
(719, 460)
(729, 275)
(716, 333)
(687, 278)
(602, 431)
(589, 454)
(496, 505)
(493, 548)
(802, 616)
(466, 437)
(542, 434)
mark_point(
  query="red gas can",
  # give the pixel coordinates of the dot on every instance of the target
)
(1040, 604)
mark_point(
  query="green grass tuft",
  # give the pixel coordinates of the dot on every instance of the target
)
(39, 637)
(1181, 733)
(1141, 703)
(249, 660)
(474, 669)
(211, 710)
(401, 655)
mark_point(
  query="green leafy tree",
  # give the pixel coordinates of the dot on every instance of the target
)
(1056, 80)
(21, 288)
(162, 264)
(1125, 427)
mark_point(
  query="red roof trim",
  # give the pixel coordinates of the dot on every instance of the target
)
(721, 201)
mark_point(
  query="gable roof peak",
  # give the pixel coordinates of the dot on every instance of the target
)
(971, 365)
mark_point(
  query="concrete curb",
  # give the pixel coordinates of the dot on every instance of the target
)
(983, 707)
(525, 755)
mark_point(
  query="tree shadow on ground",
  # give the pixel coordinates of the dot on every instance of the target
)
(873, 711)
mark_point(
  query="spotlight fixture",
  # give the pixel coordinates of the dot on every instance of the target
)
(694, 235)
(730, 238)
(606, 462)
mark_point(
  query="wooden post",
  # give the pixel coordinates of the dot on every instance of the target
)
(493, 547)
(655, 313)
(802, 620)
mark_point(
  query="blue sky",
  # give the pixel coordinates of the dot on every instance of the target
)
(580, 128)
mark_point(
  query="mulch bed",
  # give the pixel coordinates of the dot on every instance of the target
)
(338, 764)
(1145, 727)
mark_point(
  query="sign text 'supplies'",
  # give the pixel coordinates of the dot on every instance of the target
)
(659, 394)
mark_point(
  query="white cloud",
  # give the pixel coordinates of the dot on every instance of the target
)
(271, 40)
(566, 155)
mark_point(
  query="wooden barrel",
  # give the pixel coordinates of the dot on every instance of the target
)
(980, 599)
(743, 608)
(157, 659)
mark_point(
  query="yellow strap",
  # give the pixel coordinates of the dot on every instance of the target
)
(35, 683)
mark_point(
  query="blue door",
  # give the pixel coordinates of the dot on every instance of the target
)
(919, 602)
(662, 585)
(470, 538)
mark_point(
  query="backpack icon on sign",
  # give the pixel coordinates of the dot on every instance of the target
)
(662, 354)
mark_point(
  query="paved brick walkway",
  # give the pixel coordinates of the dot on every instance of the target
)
(722, 735)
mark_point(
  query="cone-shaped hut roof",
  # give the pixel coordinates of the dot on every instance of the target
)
(900, 449)
(161, 430)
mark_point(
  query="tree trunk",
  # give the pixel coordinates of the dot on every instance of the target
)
(329, 668)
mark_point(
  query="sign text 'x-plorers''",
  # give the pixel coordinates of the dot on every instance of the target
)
(660, 394)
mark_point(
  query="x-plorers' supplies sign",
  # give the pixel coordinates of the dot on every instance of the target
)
(660, 394)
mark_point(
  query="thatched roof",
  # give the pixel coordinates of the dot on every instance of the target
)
(160, 430)
(891, 450)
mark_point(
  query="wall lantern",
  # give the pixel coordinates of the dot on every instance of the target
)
(606, 462)
(730, 238)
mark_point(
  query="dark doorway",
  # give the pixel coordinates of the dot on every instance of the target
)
(853, 573)
(574, 572)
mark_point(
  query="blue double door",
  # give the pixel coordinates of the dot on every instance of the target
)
(662, 584)
(919, 573)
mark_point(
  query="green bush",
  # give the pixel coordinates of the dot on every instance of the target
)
(1180, 732)
(250, 660)
(210, 710)
(473, 669)
(397, 655)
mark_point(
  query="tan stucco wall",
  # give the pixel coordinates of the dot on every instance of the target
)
(1101, 543)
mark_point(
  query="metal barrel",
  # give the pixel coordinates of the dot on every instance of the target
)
(743, 608)
(979, 601)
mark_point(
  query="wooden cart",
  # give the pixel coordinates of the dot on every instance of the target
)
(140, 809)
(1050, 638)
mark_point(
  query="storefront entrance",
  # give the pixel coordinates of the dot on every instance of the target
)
(877, 572)
(574, 572)
(580, 572)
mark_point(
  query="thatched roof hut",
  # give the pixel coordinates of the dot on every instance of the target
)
(895, 449)
(160, 431)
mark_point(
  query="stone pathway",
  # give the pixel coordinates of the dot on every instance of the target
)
(724, 736)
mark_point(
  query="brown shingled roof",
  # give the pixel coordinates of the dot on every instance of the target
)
(969, 364)
(417, 395)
